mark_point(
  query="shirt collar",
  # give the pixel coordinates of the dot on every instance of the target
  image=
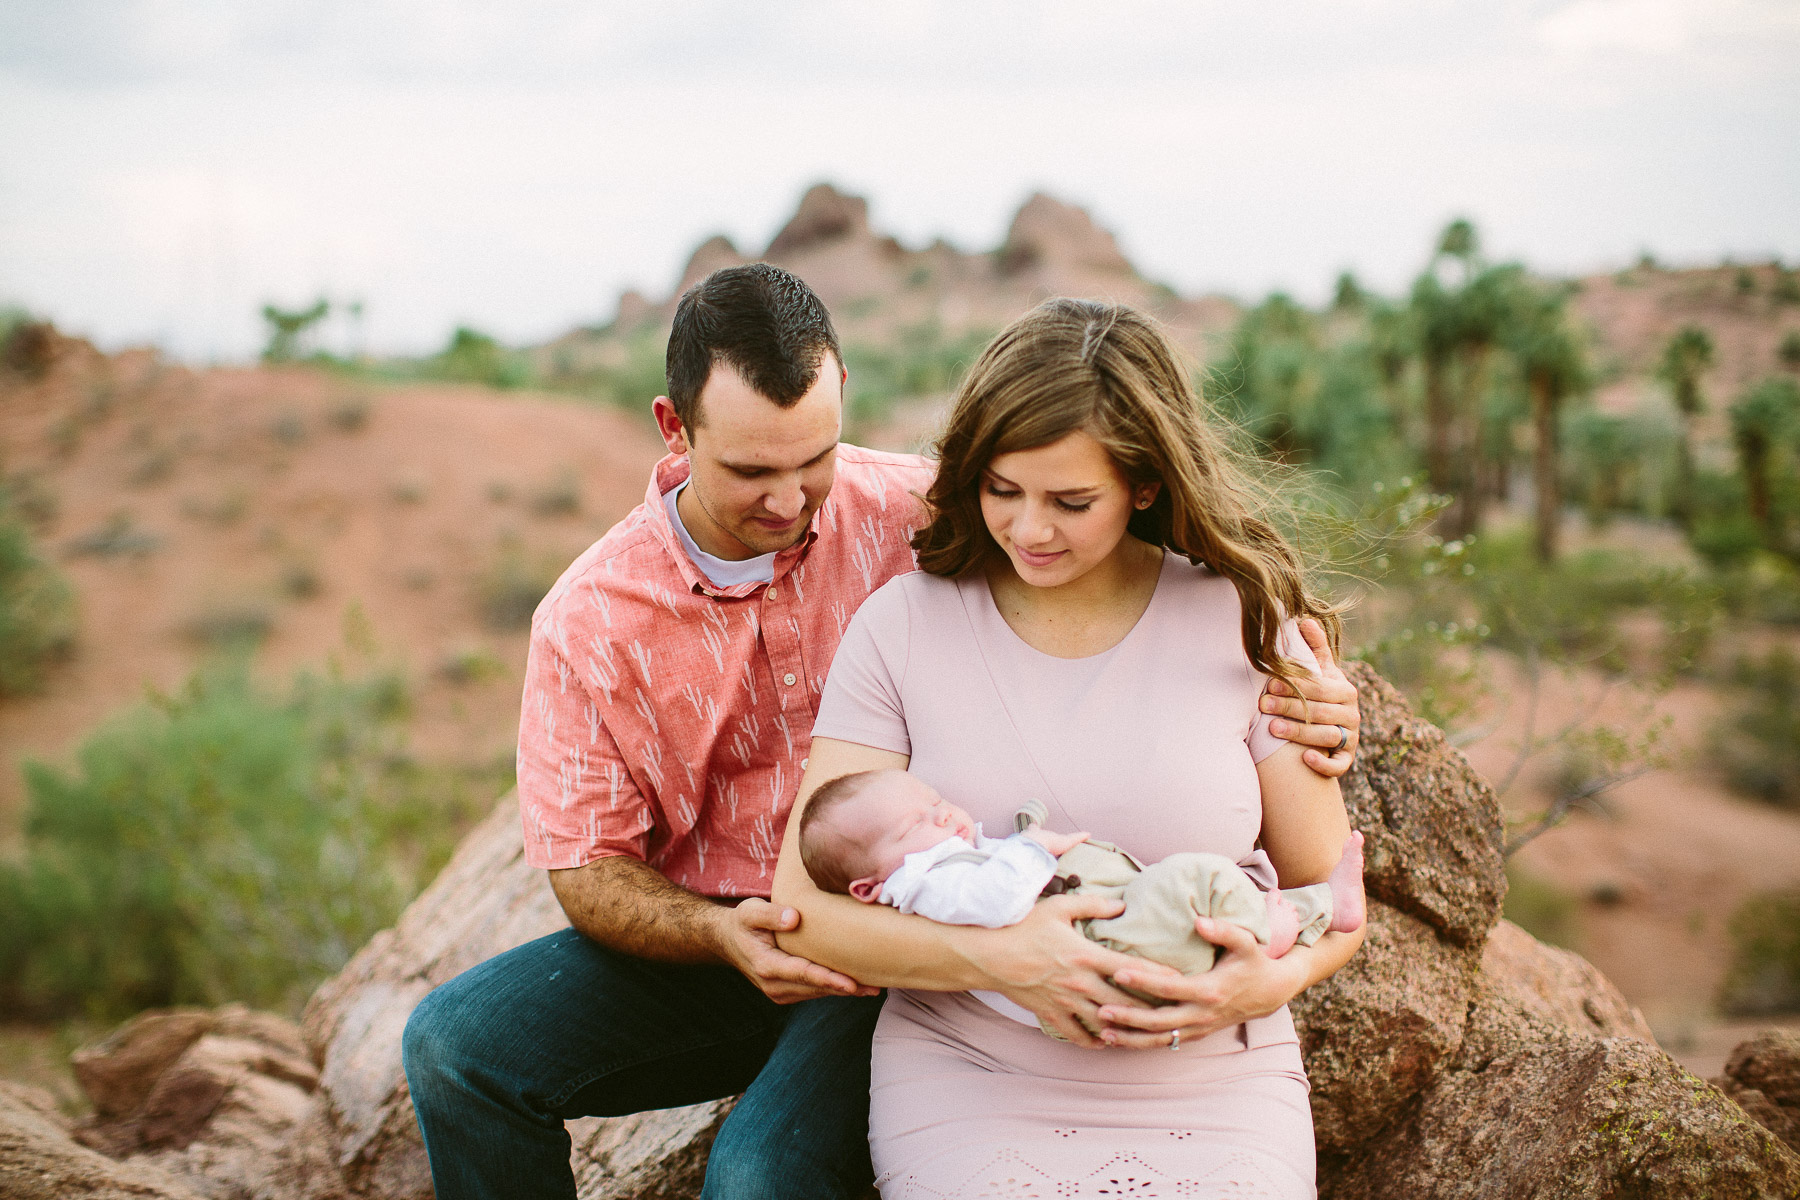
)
(671, 472)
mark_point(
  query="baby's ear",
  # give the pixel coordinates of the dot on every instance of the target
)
(867, 889)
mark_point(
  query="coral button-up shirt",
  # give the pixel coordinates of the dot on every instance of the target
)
(668, 719)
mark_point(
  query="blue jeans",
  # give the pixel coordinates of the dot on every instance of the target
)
(499, 1057)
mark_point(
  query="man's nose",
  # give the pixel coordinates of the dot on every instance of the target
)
(786, 499)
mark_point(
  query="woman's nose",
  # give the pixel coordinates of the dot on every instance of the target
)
(1032, 525)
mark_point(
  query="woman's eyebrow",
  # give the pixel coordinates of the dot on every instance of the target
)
(1074, 491)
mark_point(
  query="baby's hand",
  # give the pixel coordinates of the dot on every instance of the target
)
(1057, 844)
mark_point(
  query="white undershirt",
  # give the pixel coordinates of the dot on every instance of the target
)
(720, 572)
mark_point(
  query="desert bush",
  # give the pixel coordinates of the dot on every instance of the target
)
(1619, 464)
(1540, 908)
(119, 536)
(215, 844)
(288, 429)
(508, 592)
(230, 624)
(1758, 744)
(37, 608)
(470, 664)
(561, 497)
(350, 413)
(922, 360)
(1764, 976)
(300, 580)
(1570, 611)
(475, 357)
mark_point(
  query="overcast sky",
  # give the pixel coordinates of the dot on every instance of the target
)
(166, 166)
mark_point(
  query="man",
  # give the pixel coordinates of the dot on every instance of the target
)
(673, 677)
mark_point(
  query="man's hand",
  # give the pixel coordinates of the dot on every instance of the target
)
(1332, 707)
(630, 906)
(746, 940)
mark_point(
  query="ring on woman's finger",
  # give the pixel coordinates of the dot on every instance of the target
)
(1174, 1039)
(1343, 739)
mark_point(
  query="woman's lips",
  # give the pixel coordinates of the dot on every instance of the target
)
(1037, 560)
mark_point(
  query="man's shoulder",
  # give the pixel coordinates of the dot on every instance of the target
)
(626, 559)
(876, 471)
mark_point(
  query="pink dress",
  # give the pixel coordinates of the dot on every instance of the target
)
(1151, 745)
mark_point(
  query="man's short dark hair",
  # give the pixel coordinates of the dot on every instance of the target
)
(760, 321)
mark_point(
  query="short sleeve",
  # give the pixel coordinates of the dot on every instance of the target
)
(861, 702)
(577, 801)
(1293, 645)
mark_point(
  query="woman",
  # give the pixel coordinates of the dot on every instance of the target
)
(1097, 612)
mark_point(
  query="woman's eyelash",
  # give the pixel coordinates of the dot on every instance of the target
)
(1062, 504)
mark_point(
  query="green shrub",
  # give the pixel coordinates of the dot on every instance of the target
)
(1540, 908)
(217, 844)
(476, 357)
(1764, 976)
(230, 625)
(1759, 742)
(119, 536)
(561, 497)
(37, 609)
(508, 592)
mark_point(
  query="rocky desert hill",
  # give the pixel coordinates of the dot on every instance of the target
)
(1453, 1057)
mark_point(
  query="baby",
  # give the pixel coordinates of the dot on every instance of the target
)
(887, 837)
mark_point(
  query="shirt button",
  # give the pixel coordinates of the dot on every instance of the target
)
(771, 595)
(804, 762)
(788, 679)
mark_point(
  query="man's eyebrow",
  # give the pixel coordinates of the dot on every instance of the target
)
(746, 468)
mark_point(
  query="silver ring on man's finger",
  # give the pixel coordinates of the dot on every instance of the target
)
(1343, 739)
(1174, 1039)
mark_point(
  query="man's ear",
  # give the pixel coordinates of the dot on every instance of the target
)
(867, 889)
(668, 423)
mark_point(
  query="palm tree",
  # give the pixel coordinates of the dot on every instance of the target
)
(1762, 419)
(1686, 357)
(1554, 367)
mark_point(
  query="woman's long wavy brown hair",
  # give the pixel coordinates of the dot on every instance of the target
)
(1110, 371)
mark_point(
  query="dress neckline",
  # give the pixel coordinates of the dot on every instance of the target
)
(990, 611)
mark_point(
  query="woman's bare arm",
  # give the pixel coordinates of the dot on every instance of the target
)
(1304, 822)
(1042, 963)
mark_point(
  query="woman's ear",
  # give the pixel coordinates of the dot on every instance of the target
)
(867, 889)
(1144, 494)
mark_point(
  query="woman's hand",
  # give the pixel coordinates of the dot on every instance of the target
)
(1244, 983)
(1045, 964)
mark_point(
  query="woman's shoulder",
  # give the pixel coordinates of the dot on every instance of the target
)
(909, 597)
(1195, 582)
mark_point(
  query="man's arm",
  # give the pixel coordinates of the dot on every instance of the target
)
(1330, 706)
(631, 907)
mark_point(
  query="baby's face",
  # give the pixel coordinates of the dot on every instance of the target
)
(897, 815)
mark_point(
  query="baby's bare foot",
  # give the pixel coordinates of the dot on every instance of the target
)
(1284, 924)
(1347, 906)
